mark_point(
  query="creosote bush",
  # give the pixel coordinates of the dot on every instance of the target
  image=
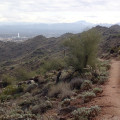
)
(7, 80)
(51, 64)
(102, 80)
(65, 102)
(86, 85)
(86, 113)
(12, 89)
(97, 90)
(18, 114)
(88, 96)
(9, 92)
(41, 108)
(22, 74)
(4, 98)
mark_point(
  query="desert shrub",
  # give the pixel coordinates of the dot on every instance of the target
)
(108, 66)
(104, 73)
(83, 49)
(26, 103)
(102, 80)
(65, 102)
(21, 74)
(7, 80)
(60, 90)
(97, 90)
(88, 96)
(76, 83)
(18, 114)
(88, 75)
(51, 64)
(86, 113)
(11, 90)
(41, 108)
(4, 98)
(94, 80)
(86, 85)
(104, 66)
(30, 87)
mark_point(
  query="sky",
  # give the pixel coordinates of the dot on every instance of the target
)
(60, 11)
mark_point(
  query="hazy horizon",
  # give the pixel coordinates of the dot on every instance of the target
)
(13, 23)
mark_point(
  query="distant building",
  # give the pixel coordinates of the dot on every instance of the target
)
(18, 35)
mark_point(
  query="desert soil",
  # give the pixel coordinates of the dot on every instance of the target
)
(110, 99)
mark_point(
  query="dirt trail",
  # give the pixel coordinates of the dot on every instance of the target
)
(111, 96)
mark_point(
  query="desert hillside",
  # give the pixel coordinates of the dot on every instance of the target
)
(70, 77)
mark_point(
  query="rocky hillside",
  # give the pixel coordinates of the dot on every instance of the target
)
(30, 52)
(41, 45)
(111, 37)
(51, 88)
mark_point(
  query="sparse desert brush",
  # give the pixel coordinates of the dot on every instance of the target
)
(18, 116)
(103, 66)
(97, 90)
(104, 73)
(62, 90)
(86, 85)
(88, 96)
(86, 113)
(51, 64)
(22, 74)
(108, 66)
(41, 108)
(102, 80)
(11, 90)
(88, 75)
(65, 102)
(4, 98)
(76, 83)
(26, 103)
(7, 80)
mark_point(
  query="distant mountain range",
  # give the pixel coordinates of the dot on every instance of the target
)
(48, 30)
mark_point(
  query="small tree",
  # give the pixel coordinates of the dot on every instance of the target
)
(83, 49)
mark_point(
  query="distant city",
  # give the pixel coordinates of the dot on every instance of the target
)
(13, 37)
(29, 30)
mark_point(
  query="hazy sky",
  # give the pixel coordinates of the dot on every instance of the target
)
(53, 11)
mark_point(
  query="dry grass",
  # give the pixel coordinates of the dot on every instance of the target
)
(61, 90)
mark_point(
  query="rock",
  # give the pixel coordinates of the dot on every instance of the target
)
(30, 82)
